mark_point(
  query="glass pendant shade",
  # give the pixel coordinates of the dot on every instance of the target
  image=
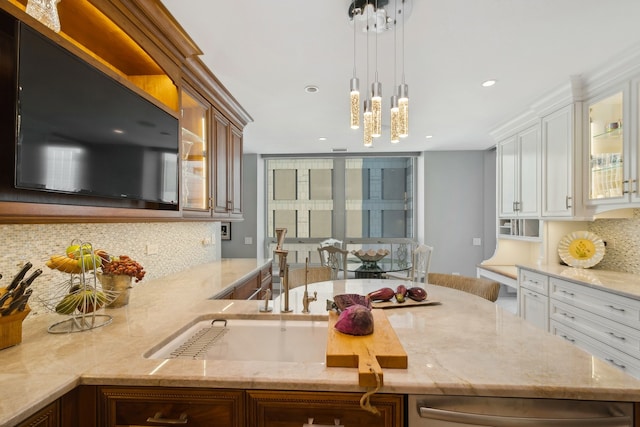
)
(368, 124)
(376, 109)
(403, 106)
(395, 120)
(355, 103)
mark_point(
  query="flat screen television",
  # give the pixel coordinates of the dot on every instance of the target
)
(81, 132)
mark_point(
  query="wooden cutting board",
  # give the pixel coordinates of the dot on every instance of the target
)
(368, 353)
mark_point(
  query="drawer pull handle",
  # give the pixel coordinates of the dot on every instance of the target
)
(621, 338)
(613, 362)
(568, 338)
(311, 424)
(568, 316)
(157, 418)
(571, 294)
(616, 308)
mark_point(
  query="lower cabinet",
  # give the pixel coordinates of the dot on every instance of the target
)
(295, 409)
(143, 406)
(533, 291)
(254, 287)
(161, 406)
(49, 416)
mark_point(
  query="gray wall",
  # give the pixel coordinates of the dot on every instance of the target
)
(457, 200)
(236, 247)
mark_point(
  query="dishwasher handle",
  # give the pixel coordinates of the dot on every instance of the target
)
(507, 421)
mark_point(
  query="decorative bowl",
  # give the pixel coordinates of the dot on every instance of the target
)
(370, 255)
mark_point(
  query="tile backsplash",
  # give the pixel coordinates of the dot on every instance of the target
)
(179, 245)
(623, 236)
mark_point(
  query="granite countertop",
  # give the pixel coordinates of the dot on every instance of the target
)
(624, 284)
(510, 271)
(465, 345)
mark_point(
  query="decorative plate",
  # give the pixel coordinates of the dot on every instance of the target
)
(581, 249)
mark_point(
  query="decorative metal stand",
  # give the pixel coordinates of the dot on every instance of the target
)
(84, 297)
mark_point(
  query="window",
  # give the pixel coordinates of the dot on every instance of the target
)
(350, 199)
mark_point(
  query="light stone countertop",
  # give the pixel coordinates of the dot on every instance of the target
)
(465, 345)
(624, 284)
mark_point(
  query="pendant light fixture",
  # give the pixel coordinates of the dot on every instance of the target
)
(381, 21)
(376, 89)
(403, 97)
(355, 85)
(394, 112)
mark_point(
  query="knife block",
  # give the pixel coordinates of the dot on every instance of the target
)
(11, 328)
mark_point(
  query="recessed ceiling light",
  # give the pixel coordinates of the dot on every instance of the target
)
(429, 136)
(118, 131)
(311, 88)
(489, 83)
(322, 138)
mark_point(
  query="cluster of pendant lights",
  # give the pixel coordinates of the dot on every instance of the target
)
(372, 115)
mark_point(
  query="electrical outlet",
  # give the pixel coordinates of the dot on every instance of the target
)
(248, 240)
(152, 249)
(477, 241)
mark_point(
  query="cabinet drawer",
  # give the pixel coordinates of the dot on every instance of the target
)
(611, 333)
(614, 307)
(122, 406)
(293, 409)
(534, 281)
(610, 355)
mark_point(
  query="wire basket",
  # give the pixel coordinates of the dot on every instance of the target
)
(80, 296)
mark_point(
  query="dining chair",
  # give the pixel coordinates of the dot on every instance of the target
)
(485, 288)
(336, 258)
(420, 263)
(313, 274)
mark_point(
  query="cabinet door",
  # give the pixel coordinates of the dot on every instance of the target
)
(534, 308)
(607, 170)
(507, 172)
(48, 416)
(235, 159)
(557, 163)
(195, 153)
(138, 406)
(528, 201)
(221, 164)
(294, 409)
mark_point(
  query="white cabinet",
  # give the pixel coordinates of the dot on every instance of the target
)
(533, 298)
(559, 131)
(519, 174)
(604, 324)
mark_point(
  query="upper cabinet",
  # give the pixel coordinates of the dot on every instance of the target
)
(195, 153)
(141, 46)
(519, 174)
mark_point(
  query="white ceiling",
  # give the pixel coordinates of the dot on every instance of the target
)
(266, 51)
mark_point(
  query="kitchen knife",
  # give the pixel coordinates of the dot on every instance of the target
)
(29, 280)
(5, 297)
(16, 280)
(24, 300)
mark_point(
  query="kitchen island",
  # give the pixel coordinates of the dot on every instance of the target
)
(463, 346)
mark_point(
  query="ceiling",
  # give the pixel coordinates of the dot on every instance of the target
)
(266, 52)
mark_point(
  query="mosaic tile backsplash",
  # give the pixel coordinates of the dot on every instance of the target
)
(624, 254)
(179, 246)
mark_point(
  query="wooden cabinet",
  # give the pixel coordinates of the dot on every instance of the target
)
(519, 174)
(294, 409)
(227, 164)
(49, 416)
(533, 296)
(195, 149)
(252, 287)
(137, 406)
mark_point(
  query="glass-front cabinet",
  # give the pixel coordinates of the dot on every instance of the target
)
(195, 154)
(606, 148)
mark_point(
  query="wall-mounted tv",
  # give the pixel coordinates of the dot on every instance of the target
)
(81, 132)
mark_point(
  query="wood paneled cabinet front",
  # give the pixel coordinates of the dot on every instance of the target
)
(227, 164)
(294, 409)
(163, 406)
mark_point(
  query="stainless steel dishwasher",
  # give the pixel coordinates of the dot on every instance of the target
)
(450, 411)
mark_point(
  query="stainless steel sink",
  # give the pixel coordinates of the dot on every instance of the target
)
(241, 339)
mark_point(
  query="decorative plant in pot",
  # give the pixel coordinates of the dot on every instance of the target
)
(117, 274)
